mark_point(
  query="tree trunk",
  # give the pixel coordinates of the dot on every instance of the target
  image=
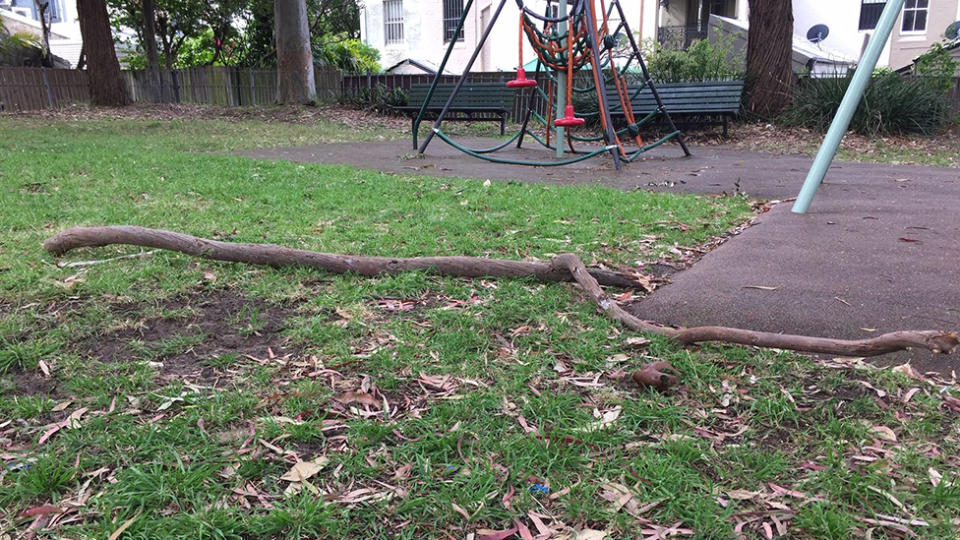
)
(295, 83)
(42, 7)
(770, 77)
(106, 86)
(150, 48)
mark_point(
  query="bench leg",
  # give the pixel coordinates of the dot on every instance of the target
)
(726, 134)
(413, 130)
(503, 123)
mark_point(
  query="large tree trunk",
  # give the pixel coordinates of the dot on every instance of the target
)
(106, 86)
(295, 80)
(150, 48)
(770, 77)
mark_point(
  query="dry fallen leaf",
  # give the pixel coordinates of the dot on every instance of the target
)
(61, 406)
(116, 534)
(488, 534)
(884, 433)
(762, 287)
(459, 509)
(303, 470)
(362, 398)
(637, 341)
(741, 494)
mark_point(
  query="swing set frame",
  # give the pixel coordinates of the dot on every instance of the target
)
(556, 53)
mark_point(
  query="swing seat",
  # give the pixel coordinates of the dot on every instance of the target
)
(521, 81)
(569, 120)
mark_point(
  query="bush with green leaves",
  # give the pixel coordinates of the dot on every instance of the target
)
(702, 61)
(378, 98)
(349, 55)
(938, 67)
(891, 105)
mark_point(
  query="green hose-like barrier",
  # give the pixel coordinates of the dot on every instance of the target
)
(507, 161)
(497, 147)
(634, 155)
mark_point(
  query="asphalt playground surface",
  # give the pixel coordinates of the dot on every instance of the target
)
(879, 250)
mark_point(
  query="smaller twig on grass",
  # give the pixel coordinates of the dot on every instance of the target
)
(140, 255)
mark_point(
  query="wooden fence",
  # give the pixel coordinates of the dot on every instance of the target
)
(24, 89)
(28, 88)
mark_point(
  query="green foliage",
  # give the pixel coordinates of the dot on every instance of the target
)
(937, 67)
(12, 42)
(702, 61)
(891, 104)
(378, 98)
(349, 55)
(228, 32)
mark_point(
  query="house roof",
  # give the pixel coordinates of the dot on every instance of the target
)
(801, 46)
(951, 46)
(421, 65)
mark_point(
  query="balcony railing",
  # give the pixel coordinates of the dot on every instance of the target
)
(680, 37)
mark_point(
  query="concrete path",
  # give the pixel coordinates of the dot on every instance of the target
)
(879, 250)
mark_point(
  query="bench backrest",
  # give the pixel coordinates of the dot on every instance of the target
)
(712, 97)
(487, 95)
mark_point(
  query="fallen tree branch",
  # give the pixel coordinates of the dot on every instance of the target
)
(272, 255)
(565, 267)
(938, 342)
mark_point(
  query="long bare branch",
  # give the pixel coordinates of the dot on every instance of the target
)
(565, 267)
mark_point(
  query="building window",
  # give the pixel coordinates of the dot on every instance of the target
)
(452, 10)
(915, 16)
(393, 21)
(870, 11)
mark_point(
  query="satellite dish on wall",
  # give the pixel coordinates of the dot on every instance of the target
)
(953, 31)
(817, 33)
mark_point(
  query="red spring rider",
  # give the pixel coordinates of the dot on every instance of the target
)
(569, 120)
(521, 81)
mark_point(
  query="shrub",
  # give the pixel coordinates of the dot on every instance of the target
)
(891, 104)
(349, 55)
(702, 61)
(378, 98)
(937, 67)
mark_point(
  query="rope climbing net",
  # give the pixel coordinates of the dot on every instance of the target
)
(565, 45)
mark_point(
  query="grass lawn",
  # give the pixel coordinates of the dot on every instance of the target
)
(172, 397)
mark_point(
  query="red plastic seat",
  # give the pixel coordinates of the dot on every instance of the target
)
(569, 120)
(521, 81)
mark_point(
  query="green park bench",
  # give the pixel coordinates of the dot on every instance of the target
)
(689, 103)
(474, 102)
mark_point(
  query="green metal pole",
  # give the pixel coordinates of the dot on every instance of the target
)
(436, 79)
(562, 80)
(859, 82)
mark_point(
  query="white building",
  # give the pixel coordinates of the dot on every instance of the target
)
(412, 35)
(65, 39)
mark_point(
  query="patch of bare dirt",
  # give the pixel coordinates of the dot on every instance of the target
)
(196, 331)
(32, 383)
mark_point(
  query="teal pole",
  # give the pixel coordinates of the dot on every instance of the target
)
(561, 79)
(859, 82)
